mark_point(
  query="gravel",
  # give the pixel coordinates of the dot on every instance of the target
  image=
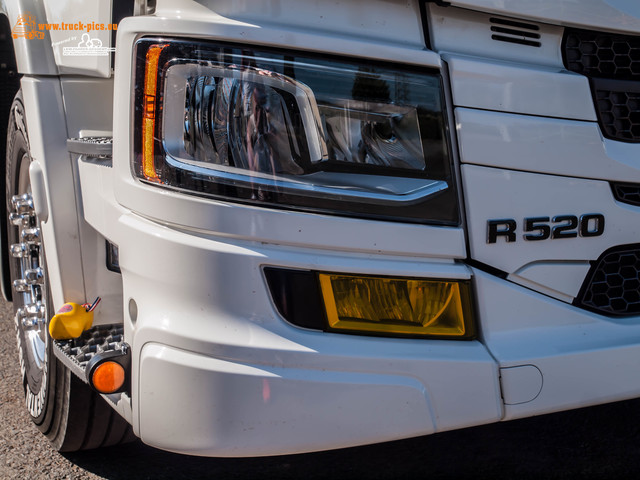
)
(598, 442)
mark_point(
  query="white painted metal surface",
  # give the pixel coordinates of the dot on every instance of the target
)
(67, 14)
(561, 280)
(300, 405)
(47, 137)
(610, 15)
(584, 358)
(33, 56)
(468, 32)
(391, 22)
(521, 384)
(544, 145)
(497, 194)
(518, 88)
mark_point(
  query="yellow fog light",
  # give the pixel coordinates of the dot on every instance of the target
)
(397, 306)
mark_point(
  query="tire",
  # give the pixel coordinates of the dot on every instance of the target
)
(64, 408)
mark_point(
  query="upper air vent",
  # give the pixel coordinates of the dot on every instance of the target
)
(611, 61)
(602, 55)
(627, 193)
(515, 32)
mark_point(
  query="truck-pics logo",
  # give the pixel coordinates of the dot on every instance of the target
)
(88, 46)
(26, 27)
(538, 228)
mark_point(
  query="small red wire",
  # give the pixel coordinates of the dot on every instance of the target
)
(92, 307)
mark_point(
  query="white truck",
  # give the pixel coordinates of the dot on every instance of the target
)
(319, 224)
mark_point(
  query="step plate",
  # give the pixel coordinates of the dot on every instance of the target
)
(76, 353)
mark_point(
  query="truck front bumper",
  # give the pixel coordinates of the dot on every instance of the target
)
(217, 371)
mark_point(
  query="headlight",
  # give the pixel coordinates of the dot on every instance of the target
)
(284, 130)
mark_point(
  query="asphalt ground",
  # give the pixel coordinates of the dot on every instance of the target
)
(599, 442)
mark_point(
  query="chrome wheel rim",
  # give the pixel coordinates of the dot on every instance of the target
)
(29, 288)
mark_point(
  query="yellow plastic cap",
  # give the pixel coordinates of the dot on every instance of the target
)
(70, 321)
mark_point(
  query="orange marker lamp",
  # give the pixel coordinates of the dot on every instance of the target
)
(109, 372)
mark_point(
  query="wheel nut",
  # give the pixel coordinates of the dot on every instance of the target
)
(30, 235)
(19, 250)
(30, 322)
(35, 310)
(22, 203)
(34, 276)
(20, 285)
(20, 219)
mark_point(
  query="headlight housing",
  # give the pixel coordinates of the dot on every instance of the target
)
(291, 130)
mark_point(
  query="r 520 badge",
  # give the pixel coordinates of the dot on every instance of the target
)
(539, 228)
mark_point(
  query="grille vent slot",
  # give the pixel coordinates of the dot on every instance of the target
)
(515, 32)
(612, 64)
(612, 286)
(627, 193)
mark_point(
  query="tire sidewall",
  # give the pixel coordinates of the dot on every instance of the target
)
(37, 382)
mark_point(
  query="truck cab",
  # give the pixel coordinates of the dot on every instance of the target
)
(314, 225)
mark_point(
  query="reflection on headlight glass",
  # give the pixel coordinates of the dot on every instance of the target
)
(243, 124)
(293, 131)
(374, 133)
(254, 118)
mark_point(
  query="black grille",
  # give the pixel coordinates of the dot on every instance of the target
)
(515, 32)
(612, 286)
(627, 193)
(612, 63)
(602, 55)
(618, 110)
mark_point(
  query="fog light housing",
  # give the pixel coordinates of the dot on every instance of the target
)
(396, 306)
(373, 305)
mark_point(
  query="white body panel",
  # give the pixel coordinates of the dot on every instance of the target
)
(47, 137)
(610, 15)
(80, 14)
(584, 358)
(469, 33)
(561, 195)
(33, 56)
(393, 22)
(544, 145)
(509, 87)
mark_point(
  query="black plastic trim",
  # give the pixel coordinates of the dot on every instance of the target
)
(619, 194)
(510, 31)
(513, 23)
(487, 268)
(596, 265)
(296, 295)
(519, 41)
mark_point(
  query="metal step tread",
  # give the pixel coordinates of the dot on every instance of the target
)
(76, 353)
(94, 147)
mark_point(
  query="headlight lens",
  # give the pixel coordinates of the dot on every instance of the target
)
(292, 131)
